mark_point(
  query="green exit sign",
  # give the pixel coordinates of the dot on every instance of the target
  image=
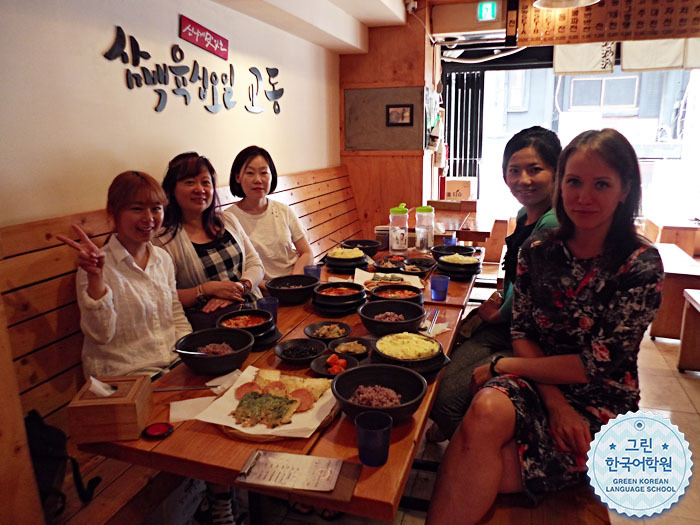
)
(486, 12)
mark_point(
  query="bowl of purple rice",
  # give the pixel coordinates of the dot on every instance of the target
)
(216, 351)
(292, 289)
(391, 316)
(391, 389)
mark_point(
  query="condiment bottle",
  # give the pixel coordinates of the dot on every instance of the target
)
(425, 218)
(398, 229)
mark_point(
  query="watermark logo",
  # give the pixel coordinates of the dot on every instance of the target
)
(639, 464)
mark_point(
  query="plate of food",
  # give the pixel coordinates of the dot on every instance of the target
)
(330, 365)
(327, 330)
(264, 405)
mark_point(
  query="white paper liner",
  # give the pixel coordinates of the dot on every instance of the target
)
(362, 276)
(303, 424)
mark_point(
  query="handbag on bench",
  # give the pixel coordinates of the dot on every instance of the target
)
(49, 453)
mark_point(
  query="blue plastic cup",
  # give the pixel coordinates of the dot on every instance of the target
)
(373, 437)
(314, 270)
(269, 304)
(449, 241)
(438, 287)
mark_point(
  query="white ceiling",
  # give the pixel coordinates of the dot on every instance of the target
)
(338, 25)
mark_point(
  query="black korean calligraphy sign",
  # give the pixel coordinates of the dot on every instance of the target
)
(214, 87)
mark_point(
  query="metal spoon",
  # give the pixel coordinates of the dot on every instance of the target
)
(432, 324)
(192, 353)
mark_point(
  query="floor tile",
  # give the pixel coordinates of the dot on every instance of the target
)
(663, 392)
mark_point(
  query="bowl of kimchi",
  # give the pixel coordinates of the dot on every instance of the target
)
(398, 292)
(257, 322)
(339, 293)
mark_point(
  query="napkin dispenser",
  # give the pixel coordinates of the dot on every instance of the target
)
(120, 416)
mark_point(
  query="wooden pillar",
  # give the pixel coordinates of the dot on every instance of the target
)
(20, 496)
(397, 57)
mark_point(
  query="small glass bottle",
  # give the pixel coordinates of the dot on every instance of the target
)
(398, 229)
(425, 228)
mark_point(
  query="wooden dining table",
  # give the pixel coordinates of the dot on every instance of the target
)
(202, 450)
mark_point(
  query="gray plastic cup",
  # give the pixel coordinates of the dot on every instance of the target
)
(373, 437)
(269, 304)
(438, 287)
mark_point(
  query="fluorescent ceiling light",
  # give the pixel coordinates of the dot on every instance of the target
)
(563, 4)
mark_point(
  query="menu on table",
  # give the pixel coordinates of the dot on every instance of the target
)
(294, 471)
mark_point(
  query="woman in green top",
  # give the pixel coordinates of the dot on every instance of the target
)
(529, 163)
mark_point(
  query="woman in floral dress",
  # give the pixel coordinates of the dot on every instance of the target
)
(584, 296)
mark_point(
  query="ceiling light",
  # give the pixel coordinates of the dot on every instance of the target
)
(563, 4)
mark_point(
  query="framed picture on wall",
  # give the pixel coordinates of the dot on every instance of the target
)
(399, 115)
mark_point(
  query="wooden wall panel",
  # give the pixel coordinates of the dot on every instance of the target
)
(303, 209)
(35, 267)
(48, 362)
(302, 178)
(38, 299)
(40, 331)
(27, 237)
(382, 182)
(54, 394)
(387, 63)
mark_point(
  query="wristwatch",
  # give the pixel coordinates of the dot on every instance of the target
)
(247, 286)
(201, 296)
(492, 368)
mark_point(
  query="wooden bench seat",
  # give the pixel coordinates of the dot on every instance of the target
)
(681, 272)
(323, 200)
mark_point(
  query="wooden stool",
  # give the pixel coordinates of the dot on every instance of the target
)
(689, 356)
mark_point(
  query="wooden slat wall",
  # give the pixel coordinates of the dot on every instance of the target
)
(325, 203)
(41, 318)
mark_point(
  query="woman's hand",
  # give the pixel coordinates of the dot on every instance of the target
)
(480, 375)
(570, 431)
(229, 290)
(90, 258)
(489, 311)
(214, 304)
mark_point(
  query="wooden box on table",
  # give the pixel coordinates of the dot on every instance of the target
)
(122, 415)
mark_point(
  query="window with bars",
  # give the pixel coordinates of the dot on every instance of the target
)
(463, 96)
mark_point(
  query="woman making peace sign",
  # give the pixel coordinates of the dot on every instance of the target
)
(129, 309)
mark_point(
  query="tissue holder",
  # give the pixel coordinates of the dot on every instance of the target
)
(121, 416)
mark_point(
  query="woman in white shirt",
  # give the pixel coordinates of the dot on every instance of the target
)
(274, 229)
(129, 308)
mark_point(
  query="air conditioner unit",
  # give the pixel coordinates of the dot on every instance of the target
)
(469, 23)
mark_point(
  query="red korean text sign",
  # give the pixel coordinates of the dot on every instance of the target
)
(202, 37)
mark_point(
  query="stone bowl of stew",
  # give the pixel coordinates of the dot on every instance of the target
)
(257, 322)
(369, 246)
(406, 390)
(218, 359)
(338, 293)
(292, 289)
(299, 351)
(391, 316)
(398, 292)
